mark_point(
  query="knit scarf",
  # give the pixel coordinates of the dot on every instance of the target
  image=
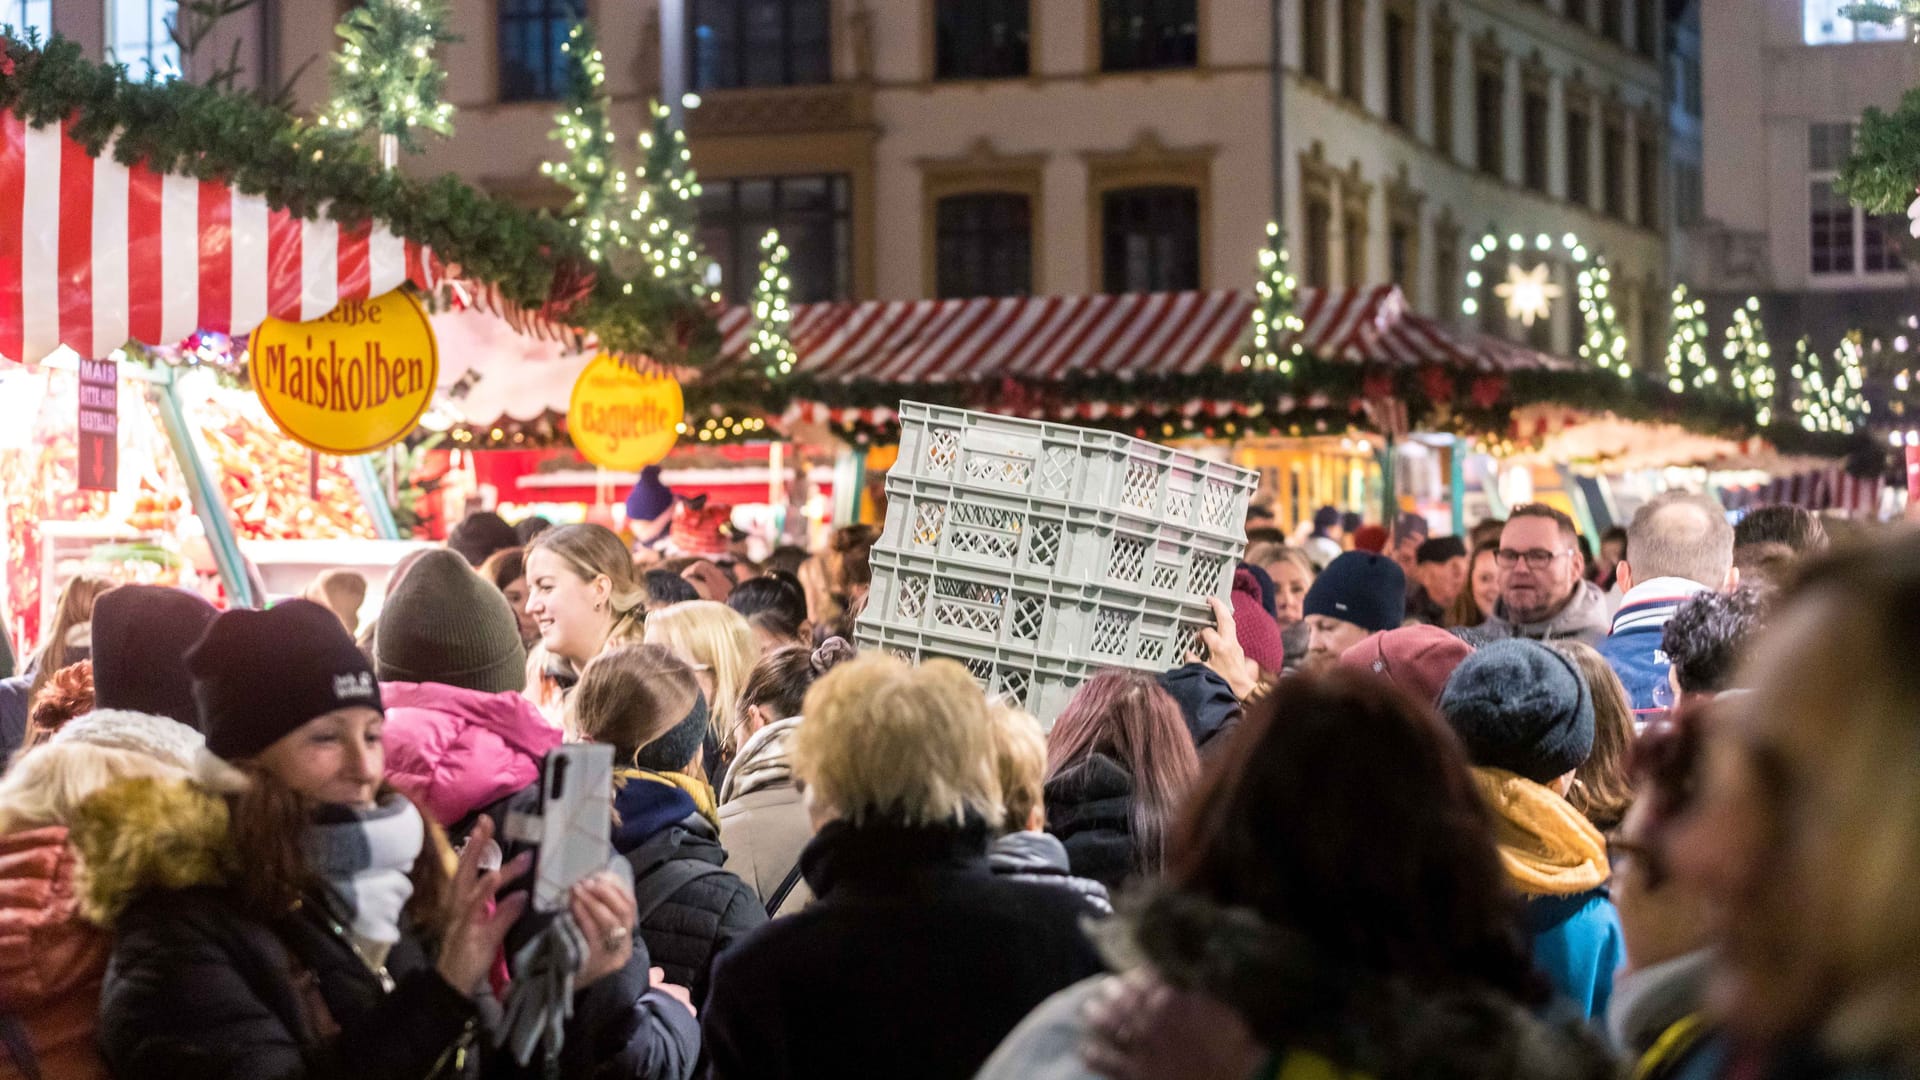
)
(1547, 847)
(365, 856)
(699, 790)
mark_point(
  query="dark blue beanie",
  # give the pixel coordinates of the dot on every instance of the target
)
(1522, 707)
(1367, 590)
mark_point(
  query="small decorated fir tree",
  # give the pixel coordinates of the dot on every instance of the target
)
(1276, 324)
(598, 184)
(772, 316)
(385, 76)
(1687, 366)
(669, 208)
(1750, 361)
(1829, 392)
(1605, 343)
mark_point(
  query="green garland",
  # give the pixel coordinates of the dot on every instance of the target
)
(178, 127)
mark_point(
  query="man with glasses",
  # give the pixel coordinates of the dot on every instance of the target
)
(1542, 595)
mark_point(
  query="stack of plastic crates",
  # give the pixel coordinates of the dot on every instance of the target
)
(1037, 553)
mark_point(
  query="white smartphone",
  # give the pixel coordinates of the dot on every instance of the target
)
(576, 820)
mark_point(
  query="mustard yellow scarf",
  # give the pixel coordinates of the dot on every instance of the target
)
(701, 791)
(1547, 847)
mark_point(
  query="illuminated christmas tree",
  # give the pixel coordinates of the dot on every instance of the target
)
(1829, 393)
(669, 208)
(598, 184)
(1276, 324)
(1687, 365)
(772, 317)
(1750, 361)
(385, 76)
(1605, 343)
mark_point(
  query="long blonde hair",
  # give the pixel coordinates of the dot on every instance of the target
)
(1828, 944)
(44, 787)
(712, 637)
(75, 609)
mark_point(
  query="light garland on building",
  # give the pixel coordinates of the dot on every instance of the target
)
(668, 208)
(1750, 361)
(1829, 395)
(1687, 366)
(598, 184)
(772, 315)
(1603, 343)
(385, 77)
(1276, 321)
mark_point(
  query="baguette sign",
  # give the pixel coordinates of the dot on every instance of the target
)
(620, 419)
(354, 380)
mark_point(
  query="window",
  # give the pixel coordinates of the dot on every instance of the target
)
(1646, 27)
(1613, 171)
(138, 37)
(1319, 246)
(1140, 35)
(1489, 90)
(1443, 90)
(25, 15)
(981, 39)
(1446, 270)
(1842, 238)
(532, 67)
(1353, 236)
(1353, 49)
(1689, 195)
(1493, 310)
(1313, 39)
(1823, 24)
(1540, 334)
(1533, 138)
(814, 216)
(1686, 80)
(1647, 177)
(1578, 11)
(760, 43)
(984, 244)
(1579, 157)
(1151, 239)
(1403, 253)
(1399, 60)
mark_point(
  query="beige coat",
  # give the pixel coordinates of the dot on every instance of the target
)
(763, 824)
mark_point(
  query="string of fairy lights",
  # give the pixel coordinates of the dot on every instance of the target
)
(1687, 365)
(589, 171)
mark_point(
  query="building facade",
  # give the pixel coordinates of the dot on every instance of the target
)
(934, 148)
(1784, 83)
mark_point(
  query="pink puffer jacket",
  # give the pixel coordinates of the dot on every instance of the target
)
(453, 751)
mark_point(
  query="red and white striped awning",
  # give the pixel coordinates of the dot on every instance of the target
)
(1048, 338)
(1832, 488)
(94, 253)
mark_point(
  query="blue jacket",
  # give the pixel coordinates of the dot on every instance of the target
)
(1577, 945)
(1633, 648)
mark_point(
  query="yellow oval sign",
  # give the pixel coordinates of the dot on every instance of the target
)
(354, 380)
(621, 419)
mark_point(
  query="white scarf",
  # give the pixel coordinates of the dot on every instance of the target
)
(366, 855)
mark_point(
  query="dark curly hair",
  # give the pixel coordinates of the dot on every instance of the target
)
(1707, 637)
(69, 693)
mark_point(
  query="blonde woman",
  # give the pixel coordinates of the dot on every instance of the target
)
(51, 961)
(914, 959)
(719, 645)
(61, 645)
(1805, 834)
(585, 596)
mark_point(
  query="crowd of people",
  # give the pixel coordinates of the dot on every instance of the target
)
(1512, 804)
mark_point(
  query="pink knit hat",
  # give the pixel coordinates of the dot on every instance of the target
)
(1259, 634)
(1417, 659)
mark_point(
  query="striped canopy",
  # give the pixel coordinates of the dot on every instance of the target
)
(94, 253)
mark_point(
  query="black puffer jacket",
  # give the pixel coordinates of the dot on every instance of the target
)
(1090, 808)
(705, 908)
(1040, 859)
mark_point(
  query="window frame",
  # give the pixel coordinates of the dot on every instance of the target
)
(1109, 257)
(1862, 227)
(745, 231)
(1353, 50)
(1105, 58)
(1647, 174)
(1613, 167)
(155, 42)
(1313, 40)
(1844, 31)
(550, 84)
(787, 50)
(1490, 138)
(1024, 69)
(1536, 124)
(1579, 152)
(20, 14)
(1444, 78)
(1400, 67)
(1022, 283)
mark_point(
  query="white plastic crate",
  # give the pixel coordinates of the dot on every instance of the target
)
(1019, 609)
(1080, 465)
(1037, 682)
(1081, 544)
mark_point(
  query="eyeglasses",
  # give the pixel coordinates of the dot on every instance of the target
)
(1537, 558)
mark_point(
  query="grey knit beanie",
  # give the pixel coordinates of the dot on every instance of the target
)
(446, 624)
(1522, 707)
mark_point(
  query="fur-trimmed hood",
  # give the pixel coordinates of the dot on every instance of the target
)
(144, 834)
(1292, 999)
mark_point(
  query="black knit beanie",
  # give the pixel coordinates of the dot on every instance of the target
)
(671, 751)
(1522, 707)
(141, 634)
(1360, 587)
(260, 675)
(446, 624)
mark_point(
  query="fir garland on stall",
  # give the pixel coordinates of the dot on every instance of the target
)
(385, 76)
(178, 127)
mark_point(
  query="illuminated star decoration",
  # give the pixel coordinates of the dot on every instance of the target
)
(1528, 293)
